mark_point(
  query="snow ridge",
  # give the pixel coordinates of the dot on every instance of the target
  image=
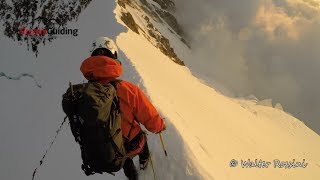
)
(213, 129)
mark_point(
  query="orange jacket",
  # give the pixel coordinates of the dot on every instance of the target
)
(134, 105)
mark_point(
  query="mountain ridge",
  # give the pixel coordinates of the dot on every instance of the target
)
(142, 16)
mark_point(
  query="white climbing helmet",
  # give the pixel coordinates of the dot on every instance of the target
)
(105, 42)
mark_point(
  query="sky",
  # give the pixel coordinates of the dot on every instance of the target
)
(267, 48)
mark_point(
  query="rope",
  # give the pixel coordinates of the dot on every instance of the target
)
(48, 149)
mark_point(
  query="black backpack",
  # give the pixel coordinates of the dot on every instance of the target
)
(94, 114)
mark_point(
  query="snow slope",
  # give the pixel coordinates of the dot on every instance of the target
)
(217, 129)
(214, 128)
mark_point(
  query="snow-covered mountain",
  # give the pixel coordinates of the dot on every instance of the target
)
(152, 20)
(214, 127)
(207, 131)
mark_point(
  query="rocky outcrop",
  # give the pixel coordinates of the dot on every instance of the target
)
(129, 21)
(166, 4)
(148, 13)
(170, 20)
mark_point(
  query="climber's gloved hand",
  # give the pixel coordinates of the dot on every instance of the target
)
(163, 128)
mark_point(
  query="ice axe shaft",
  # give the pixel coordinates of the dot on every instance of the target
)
(163, 145)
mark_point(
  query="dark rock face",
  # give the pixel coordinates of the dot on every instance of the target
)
(166, 4)
(171, 21)
(163, 43)
(160, 15)
(37, 15)
(129, 21)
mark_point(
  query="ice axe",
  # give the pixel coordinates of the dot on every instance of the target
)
(163, 145)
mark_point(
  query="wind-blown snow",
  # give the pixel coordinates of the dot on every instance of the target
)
(269, 48)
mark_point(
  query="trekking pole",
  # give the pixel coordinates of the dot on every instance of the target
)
(163, 145)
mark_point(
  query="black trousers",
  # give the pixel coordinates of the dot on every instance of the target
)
(129, 169)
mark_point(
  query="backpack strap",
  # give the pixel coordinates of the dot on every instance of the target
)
(114, 83)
